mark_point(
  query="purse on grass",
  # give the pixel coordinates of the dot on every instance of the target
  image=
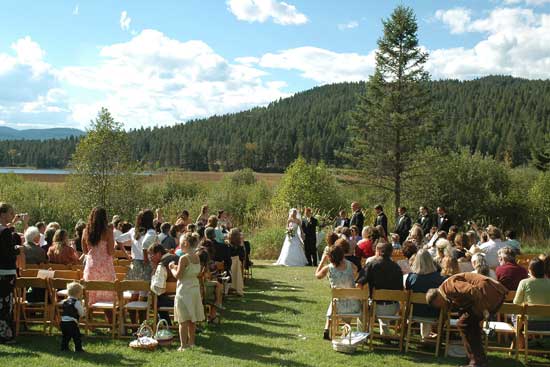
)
(349, 341)
(144, 338)
(163, 335)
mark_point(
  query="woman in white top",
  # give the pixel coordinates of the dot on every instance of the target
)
(480, 266)
(143, 236)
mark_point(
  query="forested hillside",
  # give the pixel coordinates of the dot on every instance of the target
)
(499, 116)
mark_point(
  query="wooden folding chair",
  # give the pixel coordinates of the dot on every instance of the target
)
(141, 305)
(507, 328)
(450, 326)
(58, 292)
(34, 266)
(123, 262)
(120, 254)
(28, 273)
(339, 317)
(539, 311)
(57, 267)
(170, 291)
(78, 268)
(101, 307)
(394, 322)
(415, 322)
(247, 270)
(31, 313)
(121, 269)
(67, 274)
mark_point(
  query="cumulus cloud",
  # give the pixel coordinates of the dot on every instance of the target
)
(318, 64)
(125, 21)
(262, 10)
(349, 25)
(154, 79)
(527, 2)
(457, 19)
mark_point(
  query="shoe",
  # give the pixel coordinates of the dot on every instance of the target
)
(326, 334)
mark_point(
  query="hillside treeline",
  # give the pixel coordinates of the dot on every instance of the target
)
(498, 116)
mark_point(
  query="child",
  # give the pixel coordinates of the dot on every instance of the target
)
(72, 312)
(395, 241)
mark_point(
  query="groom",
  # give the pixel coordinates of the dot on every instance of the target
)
(309, 229)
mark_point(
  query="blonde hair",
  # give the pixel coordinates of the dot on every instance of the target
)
(449, 266)
(479, 262)
(423, 263)
(75, 289)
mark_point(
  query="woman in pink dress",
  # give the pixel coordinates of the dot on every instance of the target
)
(98, 245)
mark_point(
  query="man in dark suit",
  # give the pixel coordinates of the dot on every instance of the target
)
(309, 230)
(443, 220)
(357, 219)
(342, 220)
(404, 224)
(381, 219)
(424, 220)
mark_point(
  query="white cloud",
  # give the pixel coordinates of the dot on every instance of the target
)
(457, 19)
(527, 2)
(263, 10)
(125, 21)
(153, 79)
(349, 25)
(321, 65)
(76, 10)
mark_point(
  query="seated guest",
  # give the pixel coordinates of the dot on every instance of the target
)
(511, 240)
(77, 240)
(33, 253)
(449, 266)
(443, 248)
(340, 275)
(461, 245)
(160, 259)
(480, 266)
(330, 239)
(365, 246)
(60, 252)
(382, 235)
(491, 247)
(354, 238)
(342, 220)
(42, 228)
(424, 276)
(222, 253)
(348, 255)
(535, 290)
(474, 296)
(48, 237)
(408, 250)
(165, 238)
(382, 273)
(509, 273)
(416, 236)
(213, 223)
(395, 241)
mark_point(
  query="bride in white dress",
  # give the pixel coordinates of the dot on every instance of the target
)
(292, 253)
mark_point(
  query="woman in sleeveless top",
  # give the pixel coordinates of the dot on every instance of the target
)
(98, 245)
(188, 307)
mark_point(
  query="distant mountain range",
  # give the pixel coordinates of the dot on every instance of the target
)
(7, 133)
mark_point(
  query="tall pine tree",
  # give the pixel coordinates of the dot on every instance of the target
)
(391, 121)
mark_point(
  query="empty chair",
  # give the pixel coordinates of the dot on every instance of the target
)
(30, 313)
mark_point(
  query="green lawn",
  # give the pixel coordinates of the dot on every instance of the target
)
(278, 322)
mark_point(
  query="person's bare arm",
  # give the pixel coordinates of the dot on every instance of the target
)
(321, 271)
(178, 269)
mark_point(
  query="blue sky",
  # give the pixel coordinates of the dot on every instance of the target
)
(163, 62)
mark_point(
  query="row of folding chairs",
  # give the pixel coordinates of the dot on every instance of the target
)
(121, 266)
(66, 274)
(404, 327)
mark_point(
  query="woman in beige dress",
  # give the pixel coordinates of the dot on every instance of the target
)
(188, 308)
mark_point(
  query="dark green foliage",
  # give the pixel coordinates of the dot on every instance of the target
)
(500, 116)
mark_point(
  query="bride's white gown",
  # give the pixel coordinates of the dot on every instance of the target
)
(292, 253)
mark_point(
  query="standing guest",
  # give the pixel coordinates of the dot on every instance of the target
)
(381, 219)
(382, 273)
(404, 223)
(160, 260)
(143, 236)
(443, 220)
(33, 253)
(9, 249)
(340, 275)
(535, 290)
(202, 219)
(77, 240)
(424, 219)
(70, 316)
(188, 308)
(183, 221)
(365, 247)
(342, 220)
(509, 273)
(237, 252)
(98, 245)
(42, 228)
(474, 296)
(165, 238)
(357, 218)
(309, 230)
(491, 247)
(423, 277)
(61, 252)
(511, 240)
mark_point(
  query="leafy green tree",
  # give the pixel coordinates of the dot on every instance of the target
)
(392, 119)
(540, 201)
(310, 185)
(103, 172)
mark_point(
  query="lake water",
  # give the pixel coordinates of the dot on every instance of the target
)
(32, 171)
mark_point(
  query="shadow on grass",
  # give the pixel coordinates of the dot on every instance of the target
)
(51, 345)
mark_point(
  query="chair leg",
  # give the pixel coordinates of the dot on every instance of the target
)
(447, 338)
(408, 339)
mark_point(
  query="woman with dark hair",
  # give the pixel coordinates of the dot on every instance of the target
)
(99, 246)
(535, 290)
(202, 219)
(143, 236)
(237, 257)
(77, 240)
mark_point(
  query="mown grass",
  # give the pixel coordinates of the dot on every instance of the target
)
(278, 322)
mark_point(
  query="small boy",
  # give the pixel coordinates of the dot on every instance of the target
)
(395, 243)
(72, 312)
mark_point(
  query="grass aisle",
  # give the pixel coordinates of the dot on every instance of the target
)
(278, 322)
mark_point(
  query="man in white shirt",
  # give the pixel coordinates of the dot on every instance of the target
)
(491, 247)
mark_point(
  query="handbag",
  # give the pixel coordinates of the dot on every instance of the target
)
(163, 335)
(144, 338)
(349, 341)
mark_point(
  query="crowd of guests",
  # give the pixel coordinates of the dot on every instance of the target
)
(205, 257)
(435, 255)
